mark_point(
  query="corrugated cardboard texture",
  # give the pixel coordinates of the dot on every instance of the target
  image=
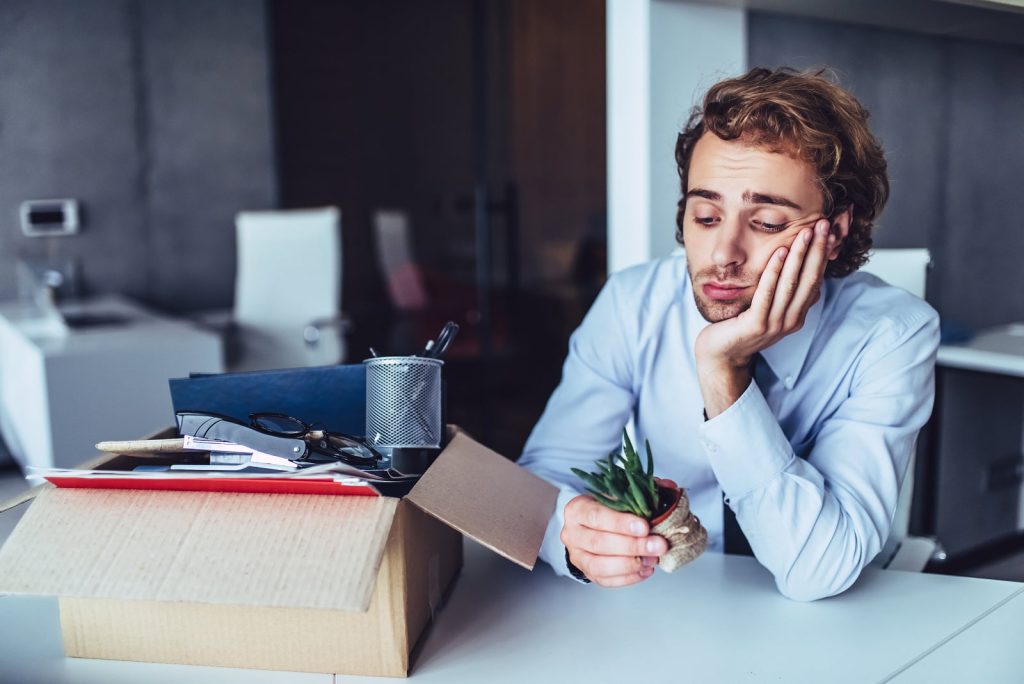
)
(433, 556)
(236, 549)
(487, 497)
(376, 642)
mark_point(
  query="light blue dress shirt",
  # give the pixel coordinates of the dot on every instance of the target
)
(810, 458)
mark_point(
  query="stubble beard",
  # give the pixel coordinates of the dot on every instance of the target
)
(714, 310)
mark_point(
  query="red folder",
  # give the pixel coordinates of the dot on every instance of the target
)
(257, 485)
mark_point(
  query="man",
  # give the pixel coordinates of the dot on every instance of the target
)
(764, 370)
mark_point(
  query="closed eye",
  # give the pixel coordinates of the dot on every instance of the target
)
(770, 227)
(761, 225)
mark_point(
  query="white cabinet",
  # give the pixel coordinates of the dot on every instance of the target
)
(105, 377)
(977, 454)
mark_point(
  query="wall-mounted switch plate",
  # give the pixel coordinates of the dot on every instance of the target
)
(47, 218)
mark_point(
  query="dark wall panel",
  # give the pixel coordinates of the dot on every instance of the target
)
(375, 110)
(947, 112)
(155, 114)
(983, 282)
(209, 142)
(68, 113)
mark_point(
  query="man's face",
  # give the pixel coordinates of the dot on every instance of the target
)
(743, 203)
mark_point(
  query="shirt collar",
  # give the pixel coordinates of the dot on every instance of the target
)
(786, 357)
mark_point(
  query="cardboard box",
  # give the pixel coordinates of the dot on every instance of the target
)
(306, 583)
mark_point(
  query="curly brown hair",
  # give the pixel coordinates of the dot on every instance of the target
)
(809, 117)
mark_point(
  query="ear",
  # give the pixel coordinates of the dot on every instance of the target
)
(840, 228)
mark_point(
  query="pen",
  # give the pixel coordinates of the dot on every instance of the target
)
(448, 334)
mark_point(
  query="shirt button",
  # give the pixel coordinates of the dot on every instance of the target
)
(789, 382)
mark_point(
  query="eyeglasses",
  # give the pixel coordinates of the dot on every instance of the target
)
(323, 446)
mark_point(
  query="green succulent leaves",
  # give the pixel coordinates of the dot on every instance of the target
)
(622, 484)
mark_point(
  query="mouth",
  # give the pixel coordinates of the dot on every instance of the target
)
(723, 291)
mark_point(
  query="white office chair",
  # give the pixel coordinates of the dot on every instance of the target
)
(908, 269)
(287, 309)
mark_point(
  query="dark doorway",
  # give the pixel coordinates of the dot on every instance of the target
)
(483, 124)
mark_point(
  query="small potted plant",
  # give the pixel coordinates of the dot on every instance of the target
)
(623, 485)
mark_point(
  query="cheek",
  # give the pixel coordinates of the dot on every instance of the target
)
(696, 242)
(767, 248)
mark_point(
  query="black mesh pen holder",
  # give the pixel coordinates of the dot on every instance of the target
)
(405, 409)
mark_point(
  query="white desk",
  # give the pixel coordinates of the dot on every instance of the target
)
(61, 392)
(999, 350)
(987, 651)
(721, 615)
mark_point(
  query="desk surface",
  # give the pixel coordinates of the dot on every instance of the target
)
(141, 328)
(998, 350)
(718, 619)
(988, 650)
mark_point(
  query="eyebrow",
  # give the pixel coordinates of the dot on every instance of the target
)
(748, 198)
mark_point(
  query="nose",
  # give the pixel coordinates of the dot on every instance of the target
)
(729, 249)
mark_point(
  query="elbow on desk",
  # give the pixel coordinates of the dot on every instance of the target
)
(809, 590)
(811, 581)
(832, 570)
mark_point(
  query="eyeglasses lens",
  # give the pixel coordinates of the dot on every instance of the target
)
(348, 450)
(278, 424)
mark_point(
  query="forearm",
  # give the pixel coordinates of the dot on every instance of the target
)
(814, 544)
(815, 539)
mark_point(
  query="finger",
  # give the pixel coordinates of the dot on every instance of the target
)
(761, 304)
(789, 279)
(614, 566)
(811, 278)
(623, 580)
(611, 544)
(604, 568)
(585, 511)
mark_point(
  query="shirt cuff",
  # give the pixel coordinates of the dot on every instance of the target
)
(552, 551)
(745, 445)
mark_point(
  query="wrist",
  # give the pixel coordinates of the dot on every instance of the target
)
(721, 386)
(721, 363)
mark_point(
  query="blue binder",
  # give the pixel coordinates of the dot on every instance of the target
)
(331, 397)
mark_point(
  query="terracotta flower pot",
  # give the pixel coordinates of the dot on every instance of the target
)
(686, 537)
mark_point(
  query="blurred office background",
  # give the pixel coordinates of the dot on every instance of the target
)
(492, 161)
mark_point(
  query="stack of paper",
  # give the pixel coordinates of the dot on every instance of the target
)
(327, 478)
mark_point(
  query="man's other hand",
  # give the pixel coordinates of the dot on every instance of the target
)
(612, 549)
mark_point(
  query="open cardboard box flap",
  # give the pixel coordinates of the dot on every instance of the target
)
(488, 498)
(298, 551)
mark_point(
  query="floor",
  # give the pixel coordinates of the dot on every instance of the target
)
(1010, 568)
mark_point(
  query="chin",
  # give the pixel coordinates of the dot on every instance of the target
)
(714, 311)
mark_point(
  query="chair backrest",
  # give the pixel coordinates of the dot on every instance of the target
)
(394, 256)
(289, 267)
(906, 268)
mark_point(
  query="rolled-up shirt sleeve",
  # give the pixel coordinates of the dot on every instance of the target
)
(585, 415)
(816, 522)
